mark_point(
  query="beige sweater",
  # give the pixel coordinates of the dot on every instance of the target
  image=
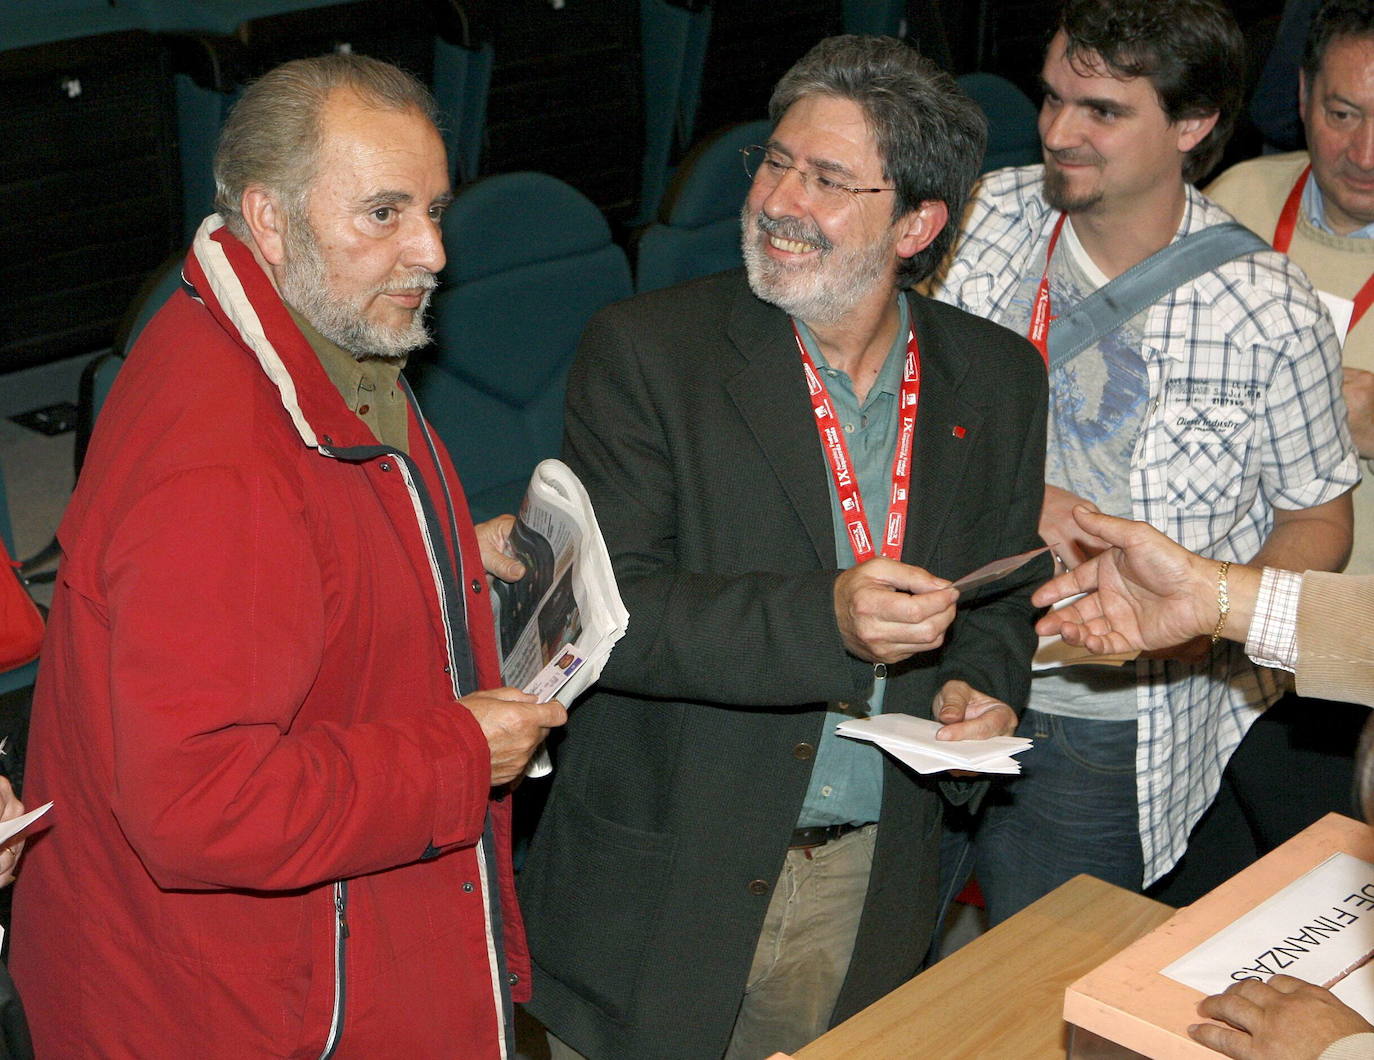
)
(1336, 637)
(1353, 1047)
(1255, 192)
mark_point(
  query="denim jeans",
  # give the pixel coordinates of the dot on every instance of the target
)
(1072, 810)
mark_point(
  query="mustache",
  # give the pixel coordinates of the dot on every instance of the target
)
(794, 229)
(1075, 157)
(419, 280)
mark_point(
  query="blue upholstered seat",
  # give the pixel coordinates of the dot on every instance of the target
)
(1013, 137)
(698, 233)
(530, 259)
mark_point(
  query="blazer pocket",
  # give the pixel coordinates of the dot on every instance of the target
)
(590, 922)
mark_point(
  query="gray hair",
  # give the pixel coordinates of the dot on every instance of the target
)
(272, 136)
(930, 135)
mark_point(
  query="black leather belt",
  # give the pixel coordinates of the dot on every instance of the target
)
(819, 835)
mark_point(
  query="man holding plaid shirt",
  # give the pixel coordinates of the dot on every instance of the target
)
(1215, 414)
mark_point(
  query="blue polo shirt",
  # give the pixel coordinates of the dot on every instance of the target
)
(847, 779)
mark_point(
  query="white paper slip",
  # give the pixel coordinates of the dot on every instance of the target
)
(912, 741)
(16, 825)
(1318, 928)
(998, 568)
(1341, 310)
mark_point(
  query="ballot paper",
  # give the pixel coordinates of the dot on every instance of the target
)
(1319, 928)
(1341, 310)
(998, 568)
(15, 825)
(1055, 652)
(912, 741)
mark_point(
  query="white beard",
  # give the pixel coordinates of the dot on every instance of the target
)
(822, 292)
(305, 287)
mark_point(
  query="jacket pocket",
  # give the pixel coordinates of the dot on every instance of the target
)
(592, 891)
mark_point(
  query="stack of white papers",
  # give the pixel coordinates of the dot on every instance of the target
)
(912, 741)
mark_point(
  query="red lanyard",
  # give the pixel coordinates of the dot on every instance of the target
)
(837, 454)
(1283, 239)
(1040, 312)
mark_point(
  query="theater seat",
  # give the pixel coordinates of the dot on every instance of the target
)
(698, 230)
(1013, 138)
(530, 259)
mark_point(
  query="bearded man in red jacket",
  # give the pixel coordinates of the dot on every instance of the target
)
(269, 710)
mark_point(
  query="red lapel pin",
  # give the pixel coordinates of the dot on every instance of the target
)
(958, 432)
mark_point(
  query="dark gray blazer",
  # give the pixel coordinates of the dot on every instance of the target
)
(679, 781)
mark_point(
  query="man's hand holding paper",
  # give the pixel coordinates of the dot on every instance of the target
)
(888, 611)
(514, 726)
(967, 714)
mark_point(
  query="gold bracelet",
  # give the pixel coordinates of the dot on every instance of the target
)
(1223, 599)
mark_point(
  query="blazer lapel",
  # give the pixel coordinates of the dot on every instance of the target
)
(947, 423)
(770, 393)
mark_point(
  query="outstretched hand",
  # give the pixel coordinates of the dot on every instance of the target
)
(1145, 592)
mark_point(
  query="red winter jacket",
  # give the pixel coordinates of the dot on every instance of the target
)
(273, 832)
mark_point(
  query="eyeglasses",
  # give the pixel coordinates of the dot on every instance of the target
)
(767, 168)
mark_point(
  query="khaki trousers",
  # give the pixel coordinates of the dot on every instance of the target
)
(803, 952)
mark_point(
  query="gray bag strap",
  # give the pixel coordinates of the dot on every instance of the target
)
(1145, 284)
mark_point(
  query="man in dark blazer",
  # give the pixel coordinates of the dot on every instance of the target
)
(716, 873)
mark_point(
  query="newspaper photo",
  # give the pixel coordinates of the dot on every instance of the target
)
(556, 625)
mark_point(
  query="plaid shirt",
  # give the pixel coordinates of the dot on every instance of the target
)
(1272, 639)
(1245, 415)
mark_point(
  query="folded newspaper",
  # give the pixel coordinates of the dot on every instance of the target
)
(912, 741)
(556, 625)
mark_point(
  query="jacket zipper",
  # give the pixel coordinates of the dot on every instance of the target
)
(340, 941)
